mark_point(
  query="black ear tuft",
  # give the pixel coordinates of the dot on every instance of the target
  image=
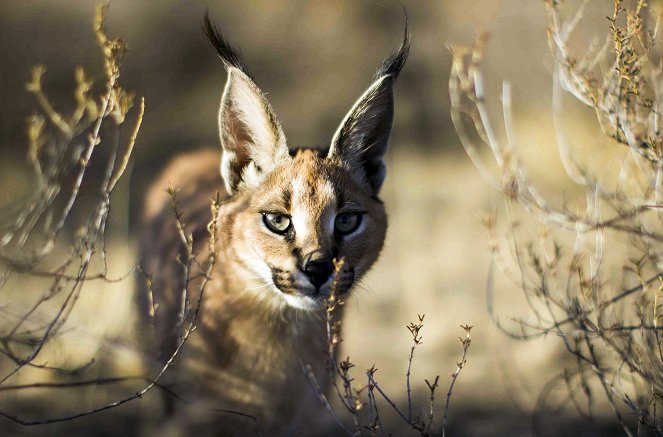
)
(362, 138)
(394, 63)
(230, 56)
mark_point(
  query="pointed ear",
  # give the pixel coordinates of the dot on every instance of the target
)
(251, 136)
(252, 139)
(363, 137)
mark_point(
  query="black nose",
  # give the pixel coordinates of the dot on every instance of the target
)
(318, 272)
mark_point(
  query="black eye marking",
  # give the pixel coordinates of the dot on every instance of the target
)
(277, 223)
(347, 222)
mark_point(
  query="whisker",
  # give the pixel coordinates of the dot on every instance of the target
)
(258, 287)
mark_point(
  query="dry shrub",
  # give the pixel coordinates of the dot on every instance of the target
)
(360, 399)
(58, 236)
(593, 275)
(53, 242)
(55, 239)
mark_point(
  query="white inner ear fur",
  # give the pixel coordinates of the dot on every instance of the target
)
(261, 137)
(227, 157)
(251, 176)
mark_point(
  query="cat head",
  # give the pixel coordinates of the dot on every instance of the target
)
(303, 210)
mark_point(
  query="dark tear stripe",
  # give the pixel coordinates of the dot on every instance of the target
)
(297, 253)
(338, 239)
(290, 235)
(335, 250)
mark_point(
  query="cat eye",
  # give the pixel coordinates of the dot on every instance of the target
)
(277, 223)
(347, 222)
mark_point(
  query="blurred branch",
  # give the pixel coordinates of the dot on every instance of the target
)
(55, 237)
(571, 289)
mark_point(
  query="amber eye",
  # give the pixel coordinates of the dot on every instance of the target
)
(347, 222)
(277, 223)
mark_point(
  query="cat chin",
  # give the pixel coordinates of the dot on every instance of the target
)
(305, 303)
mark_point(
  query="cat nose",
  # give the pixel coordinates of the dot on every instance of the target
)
(318, 271)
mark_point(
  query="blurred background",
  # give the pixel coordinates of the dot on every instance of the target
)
(313, 59)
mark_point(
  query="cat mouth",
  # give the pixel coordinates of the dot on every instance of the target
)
(339, 285)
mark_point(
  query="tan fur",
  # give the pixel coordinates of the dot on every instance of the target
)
(248, 351)
(263, 313)
(183, 172)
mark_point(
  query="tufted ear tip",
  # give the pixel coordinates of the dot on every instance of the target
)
(393, 65)
(251, 137)
(362, 139)
(230, 56)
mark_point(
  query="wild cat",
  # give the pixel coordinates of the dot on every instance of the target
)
(286, 215)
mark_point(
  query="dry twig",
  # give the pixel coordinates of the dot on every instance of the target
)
(608, 325)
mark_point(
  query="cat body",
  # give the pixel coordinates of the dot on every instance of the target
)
(285, 218)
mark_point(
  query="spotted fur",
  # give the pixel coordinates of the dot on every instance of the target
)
(262, 314)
